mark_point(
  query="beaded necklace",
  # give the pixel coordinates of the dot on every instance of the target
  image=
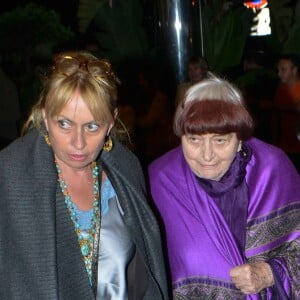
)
(86, 238)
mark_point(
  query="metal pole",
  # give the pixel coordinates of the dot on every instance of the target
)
(201, 28)
(177, 35)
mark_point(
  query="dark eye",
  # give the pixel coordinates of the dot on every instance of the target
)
(221, 140)
(193, 139)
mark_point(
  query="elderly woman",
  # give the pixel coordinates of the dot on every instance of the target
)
(74, 219)
(230, 203)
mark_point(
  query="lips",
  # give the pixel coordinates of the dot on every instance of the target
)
(208, 166)
(77, 157)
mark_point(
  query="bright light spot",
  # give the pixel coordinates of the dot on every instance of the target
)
(262, 23)
(177, 23)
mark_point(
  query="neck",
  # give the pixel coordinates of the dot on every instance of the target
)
(79, 184)
(69, 171)
(293, 81)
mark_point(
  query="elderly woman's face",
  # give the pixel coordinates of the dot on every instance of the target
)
(210, 155)
(75, 136)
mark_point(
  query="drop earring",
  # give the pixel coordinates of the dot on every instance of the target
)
(108, 145)
(47, 139)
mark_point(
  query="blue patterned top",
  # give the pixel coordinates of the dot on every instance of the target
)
(85, 216)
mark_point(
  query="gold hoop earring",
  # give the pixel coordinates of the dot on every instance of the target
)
(47, 139)
(108, 145)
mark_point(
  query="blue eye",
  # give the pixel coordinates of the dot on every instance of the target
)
(92, 127)
(64, 124)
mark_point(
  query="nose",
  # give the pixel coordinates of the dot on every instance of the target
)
(78, 139)
(207, 152)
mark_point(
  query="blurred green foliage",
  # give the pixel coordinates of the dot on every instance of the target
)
(117, 29)
(28, 36)
(31, 31)
(285, 20)
(226, 29)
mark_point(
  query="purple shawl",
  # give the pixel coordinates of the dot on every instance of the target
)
(202, 245)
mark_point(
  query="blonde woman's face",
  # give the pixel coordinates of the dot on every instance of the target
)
(210, 155)
(75, 136)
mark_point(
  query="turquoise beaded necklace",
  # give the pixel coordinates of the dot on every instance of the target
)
(86, 238)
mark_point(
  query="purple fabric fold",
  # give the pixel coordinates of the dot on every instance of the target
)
(202, 244)
(231, 195)
(278, 291)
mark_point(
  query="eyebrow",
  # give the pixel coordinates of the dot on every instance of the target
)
(60, 117)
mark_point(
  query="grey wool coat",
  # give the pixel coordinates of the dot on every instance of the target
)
(40, 257)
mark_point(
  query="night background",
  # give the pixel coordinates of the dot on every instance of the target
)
(136, 35)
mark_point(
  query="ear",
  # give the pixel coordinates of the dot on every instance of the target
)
(45, 118)
(115, 114)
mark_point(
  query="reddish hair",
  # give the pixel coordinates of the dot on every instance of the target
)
(213, 105)
(213, 116)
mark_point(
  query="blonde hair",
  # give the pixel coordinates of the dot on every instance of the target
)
(72, 72)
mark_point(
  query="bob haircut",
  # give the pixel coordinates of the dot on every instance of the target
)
(76, 72)
(213, 106)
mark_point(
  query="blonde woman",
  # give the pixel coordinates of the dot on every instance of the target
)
(75, 223)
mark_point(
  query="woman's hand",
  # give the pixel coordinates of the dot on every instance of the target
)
(251, 278)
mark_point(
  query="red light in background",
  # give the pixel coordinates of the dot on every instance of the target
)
(255, 4)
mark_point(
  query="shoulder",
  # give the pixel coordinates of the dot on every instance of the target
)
(272, 180)
(182, 87)
(265, 151)
(281, 94)
(267, 158)
(121, 161)
(124, 154)
(184, 84)
(296, 90)
(298, 83)
(165, 163)
(20, 148)
(27, 157)
(261, 148)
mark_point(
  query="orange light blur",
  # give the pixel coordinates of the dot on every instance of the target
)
(255, 4)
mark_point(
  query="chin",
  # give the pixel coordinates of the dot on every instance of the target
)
(209, 176)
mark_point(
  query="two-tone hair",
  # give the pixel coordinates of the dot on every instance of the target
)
(213, 106)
